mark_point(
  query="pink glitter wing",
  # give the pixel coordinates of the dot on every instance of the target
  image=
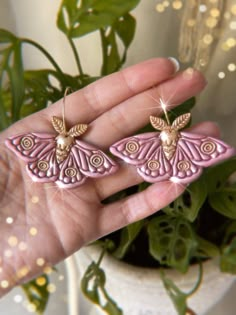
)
(204, 151)
(39, 151)
(91, 161)
(146, 153)
(31, 146)
(184, 170)
(70, 175)
(138, 149)
(84, 161)
(157, 168)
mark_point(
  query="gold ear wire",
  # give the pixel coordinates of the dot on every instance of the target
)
(163, 106)
(64, 105)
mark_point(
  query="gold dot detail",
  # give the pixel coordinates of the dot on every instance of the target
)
(221, 75)
(225, 47)
(33, 231)
(4, 284)
(48, 270)
(160, 8)
(22, 246)
(233, 9)
(203, 8)
(188, 74)
(12, 241)
(18, 298)
(51, 288)
(31, 308)
(211, 22)
(215, 12)
(231, 67)
(231, 42)
(227, 15)
(208, 39)
(40, 262)
(232, 25)
(8, 253)
(191, 22)
(22, 272)
(9, 220)
(41, 281)
(35, 199)
(166, 3)
(177, 5)
(61, 278)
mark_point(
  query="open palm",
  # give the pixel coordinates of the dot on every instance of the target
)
(40, 222)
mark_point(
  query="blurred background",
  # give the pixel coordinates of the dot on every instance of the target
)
(157, 35)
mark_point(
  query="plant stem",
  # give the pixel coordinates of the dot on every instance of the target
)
(49, 57)
(76, 55)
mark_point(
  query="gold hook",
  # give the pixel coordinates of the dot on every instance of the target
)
(64, 105)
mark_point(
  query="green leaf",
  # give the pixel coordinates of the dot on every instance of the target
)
(228, 258)
(128, 235)
(178, 297)
(93, 286)
(217, 176)
(124, 28)
(78, 18)
(224, 201)
(172, 241)
(16, 77)
(6, 36)
(111, 57)
(190, 202)
(11, 74)
(37, 293)
(206, 249)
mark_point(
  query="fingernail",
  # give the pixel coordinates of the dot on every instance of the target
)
(175, 63)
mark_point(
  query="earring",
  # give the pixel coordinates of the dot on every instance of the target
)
(171, 154)
(62, 159)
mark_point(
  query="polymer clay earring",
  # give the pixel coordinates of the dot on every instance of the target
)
(171, 154)
(61, 158)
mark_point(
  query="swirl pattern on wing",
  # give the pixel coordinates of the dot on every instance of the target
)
(138, 149)
(44, 169)
(91, 161)
(70, 175)
(203, 150)
(31, 146)
(157, 168)
(184, 169)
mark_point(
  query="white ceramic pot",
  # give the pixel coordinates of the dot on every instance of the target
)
(139, 291)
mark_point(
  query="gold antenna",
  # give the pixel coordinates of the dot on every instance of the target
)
(63, 107)
(163, 106)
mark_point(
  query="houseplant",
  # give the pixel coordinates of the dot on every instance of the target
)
(209, 200)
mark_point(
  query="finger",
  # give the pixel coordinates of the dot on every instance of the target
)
(137, 207)
(132, 114)
(90, 102)
(127, 175)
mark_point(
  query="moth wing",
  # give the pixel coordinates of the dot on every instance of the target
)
(138, 149)
(184, 169)
(45, 168)
(157, 168)
(91, 161)
(204, 150)
(31, 146)
(70, 175)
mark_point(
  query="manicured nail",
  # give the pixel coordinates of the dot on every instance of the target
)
(175, 63)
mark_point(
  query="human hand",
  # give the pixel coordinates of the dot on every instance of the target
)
(42, 223)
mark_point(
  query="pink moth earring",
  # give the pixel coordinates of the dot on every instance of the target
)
(171, 154)
(62, 159)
